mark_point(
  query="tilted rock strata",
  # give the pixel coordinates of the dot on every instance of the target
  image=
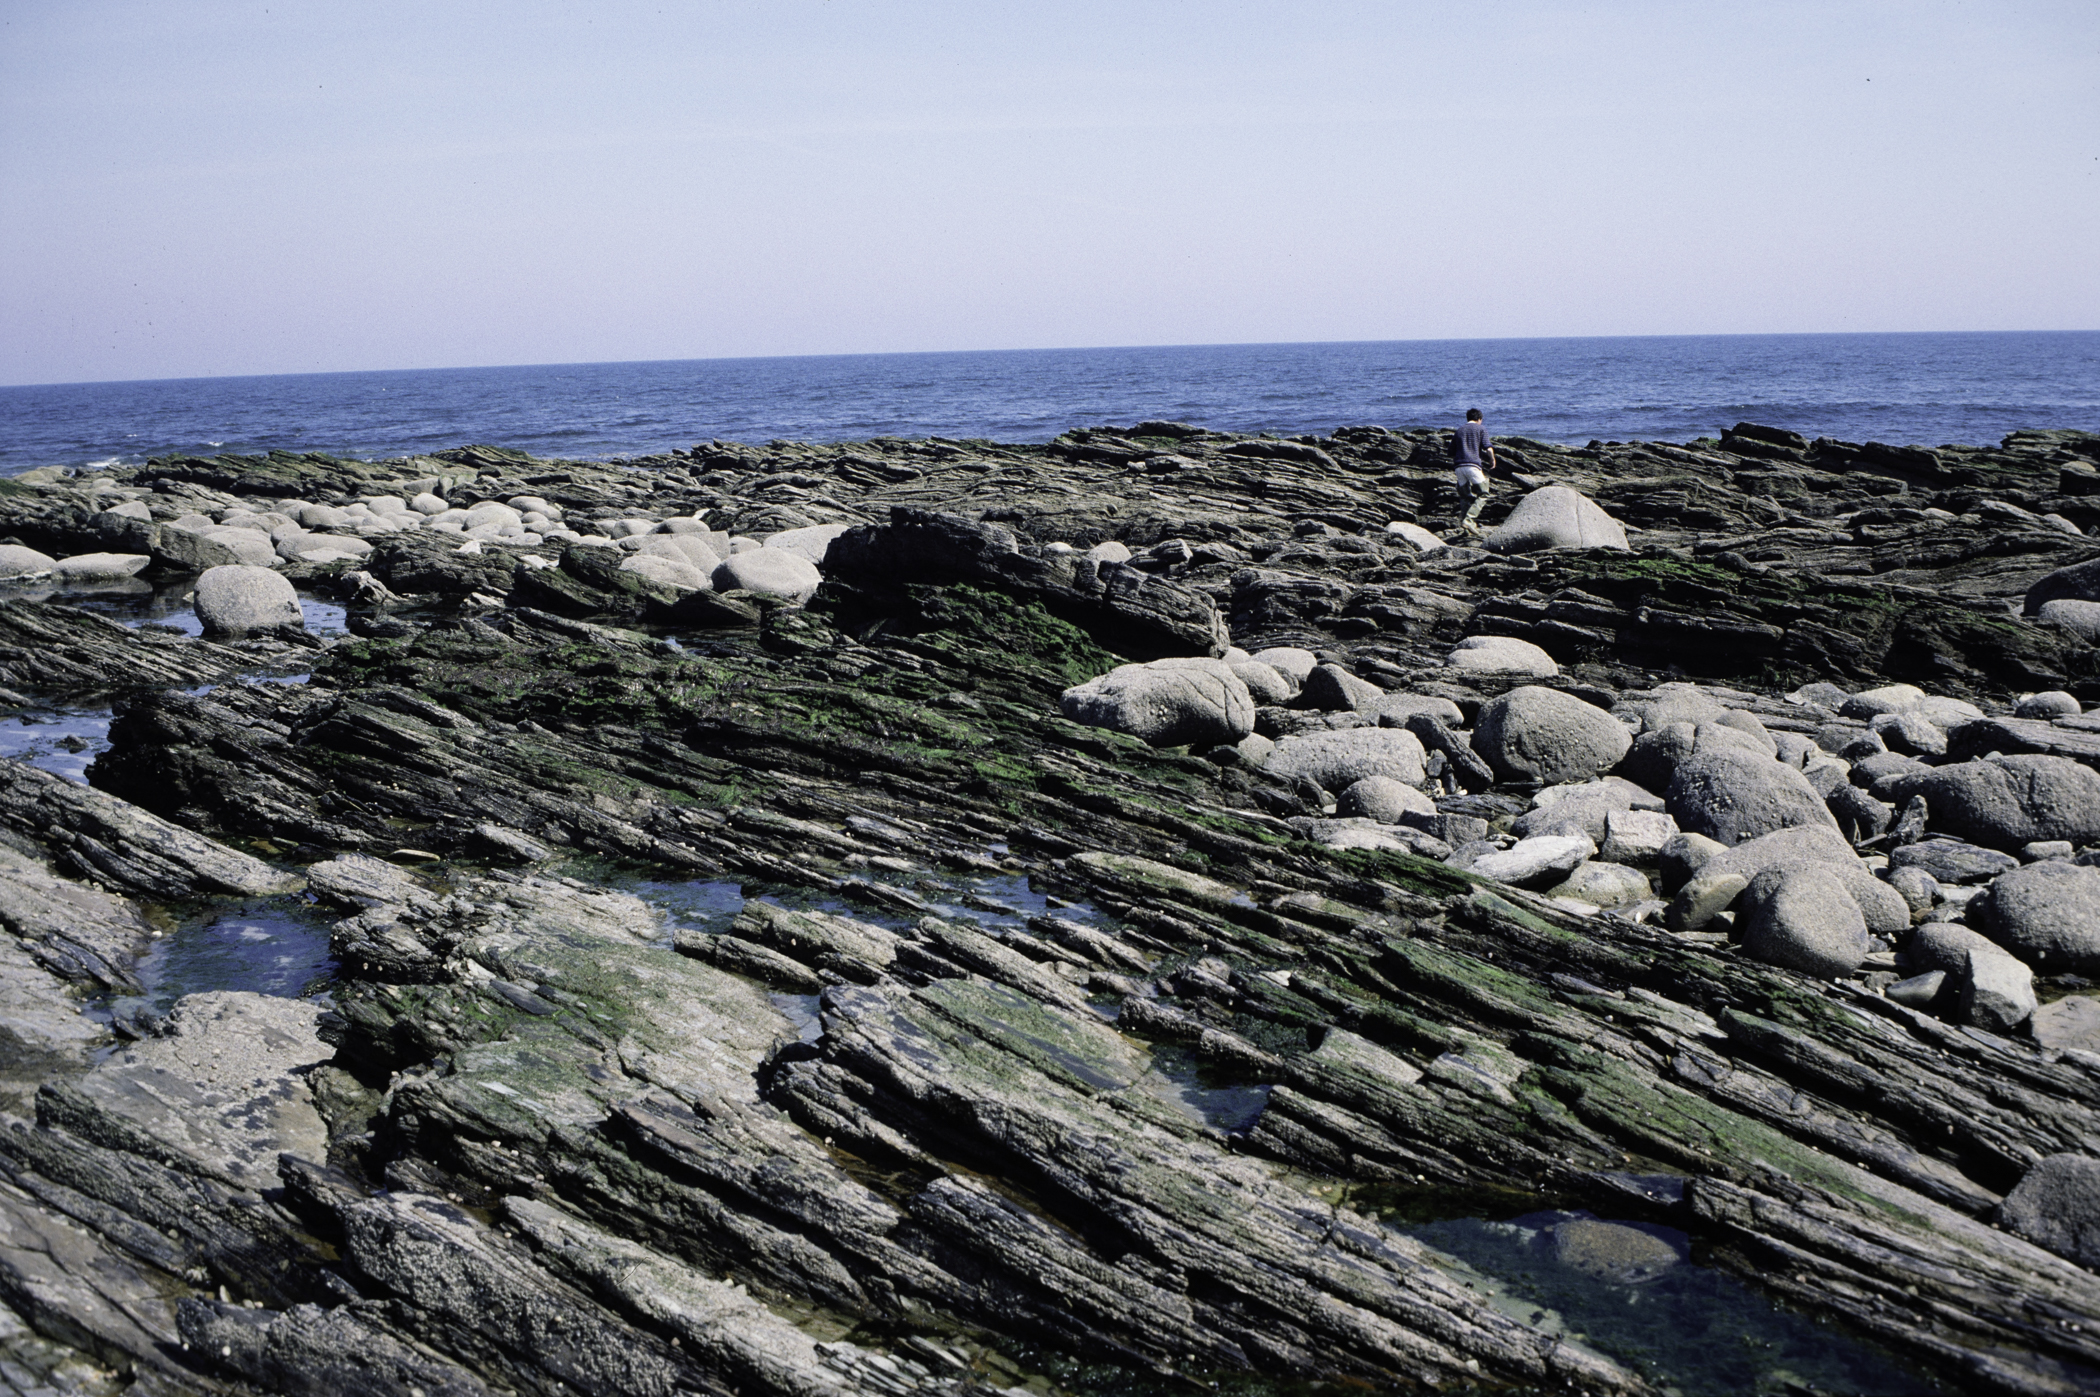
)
(569, 1142)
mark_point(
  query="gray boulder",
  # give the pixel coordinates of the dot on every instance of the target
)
(101, 567)
(809, 543)
(1997, 992)
(1858, 814)
(1802, 918)
(17, 561)
(1917, 991)
(1603, 885)
(772, 571)
(237, 599)
(1889, 698)
(1501, 654)
(1918, 889)
(691, 549)
(2047, 914)
(1636, 836)
(1721, 735)
(671, 572)
(194, 550)
(1420, 538)
(1683, 855)
(1332, 689)
(1383, 799)
(2056, 1205)
(1535, 862)
(1733, 795)
(1952, 860)
(1537, 734)
(1792, 748)
(1335, 761)
(1291, 661)
(2070, 1022)
(1704, 893)
(1672, 703)
(1168, 703)
(1909, 734)
(1556, 516)
(1652, 759)
(2050, 703)
(1358, 832)
(1945, 946)
(1266, 683)
(2004, 802)
(2077, 618)
(1584, 807)
(2079, 582)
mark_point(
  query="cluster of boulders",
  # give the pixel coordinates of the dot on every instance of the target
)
(238, 551)
(1835, 833)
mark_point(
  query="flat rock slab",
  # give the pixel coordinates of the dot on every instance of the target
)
(219, 1085)
(115, 842)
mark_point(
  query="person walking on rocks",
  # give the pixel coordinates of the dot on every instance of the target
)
(1472, 457)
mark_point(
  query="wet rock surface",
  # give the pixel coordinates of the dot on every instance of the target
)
(745, 989)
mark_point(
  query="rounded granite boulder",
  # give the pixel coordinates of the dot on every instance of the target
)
(2005, 802)
(672, 572)
(1501, 654)
(2079, 583)
(1269, 685)
(18, 561)
(2047, 914)
(1557, 516)
(2050, 703)
(1383, 799)
(1538, 734)
(1168, 703)
(1293, 662)
(237, 599)
(1802, 918)
(772, 571)
(1730, 794)
(810, 542)
(1332, 689)
(2078, 618)
(1337, 760)
(691, 549)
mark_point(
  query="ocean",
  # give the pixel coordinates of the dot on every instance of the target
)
(1905, 389)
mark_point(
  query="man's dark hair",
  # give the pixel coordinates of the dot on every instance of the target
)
(1472, 414)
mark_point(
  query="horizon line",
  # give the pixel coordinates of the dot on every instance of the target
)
(1028, 349)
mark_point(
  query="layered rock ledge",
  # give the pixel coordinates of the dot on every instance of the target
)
(780, 895)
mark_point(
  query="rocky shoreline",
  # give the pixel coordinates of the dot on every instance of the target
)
(939, 915)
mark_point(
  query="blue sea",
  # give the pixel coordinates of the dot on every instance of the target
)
(1923, 389)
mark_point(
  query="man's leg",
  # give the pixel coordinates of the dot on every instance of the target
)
(1471, 520)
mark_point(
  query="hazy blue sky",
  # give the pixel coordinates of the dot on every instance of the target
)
(198, 187)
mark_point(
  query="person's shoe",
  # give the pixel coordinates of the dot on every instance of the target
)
(1471, 528)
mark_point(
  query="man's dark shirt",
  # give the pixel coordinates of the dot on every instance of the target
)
(1472, 441)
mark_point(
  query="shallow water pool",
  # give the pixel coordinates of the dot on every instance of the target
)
(277, 946)
(1634, 1291)
(60, 741)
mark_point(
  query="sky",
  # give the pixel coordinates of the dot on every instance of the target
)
(205, 188)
